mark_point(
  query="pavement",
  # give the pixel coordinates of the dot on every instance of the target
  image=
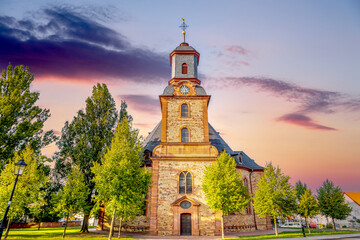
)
(352, 236)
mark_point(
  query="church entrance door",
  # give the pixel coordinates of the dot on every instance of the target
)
(185, 224)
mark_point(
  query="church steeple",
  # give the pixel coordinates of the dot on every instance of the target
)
(184, 61)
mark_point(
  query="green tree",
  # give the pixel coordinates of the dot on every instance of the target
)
(308, 206)
(71, 199)
(332, 202)
(223, 187)
(21, 121)
(122, 181)
(300, 189)
(274, 196)
(84, 140)
(28, 194)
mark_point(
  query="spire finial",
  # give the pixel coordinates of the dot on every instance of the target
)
(183, 26)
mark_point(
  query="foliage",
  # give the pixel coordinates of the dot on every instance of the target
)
(332, 202)
(21, 121)
(29, 188)
(223, 186)
(308, 206)
(71, 199)
(300, 189)
(122, 182)
(84, 140)
(274, 195)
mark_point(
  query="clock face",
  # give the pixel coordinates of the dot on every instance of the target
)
(185, 204)
(184, 90)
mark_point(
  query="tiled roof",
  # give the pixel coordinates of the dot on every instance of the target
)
(355, 196)
(216, 140)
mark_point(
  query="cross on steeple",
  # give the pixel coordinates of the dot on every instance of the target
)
(183, 26)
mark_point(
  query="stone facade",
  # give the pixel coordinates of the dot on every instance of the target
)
(172, 153)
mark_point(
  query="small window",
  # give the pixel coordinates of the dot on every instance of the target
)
(184, 110)
(184, 135)
(185, 183)
(184, 69)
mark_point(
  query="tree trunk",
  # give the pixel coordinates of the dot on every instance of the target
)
(276, 230)
(66, 221)
(307, 224)
(119, 227)
(222, 225)
(7, 229)
(333, 220)
(85, 224)
(112, 226)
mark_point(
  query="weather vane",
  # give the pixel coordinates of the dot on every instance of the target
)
(183, 26)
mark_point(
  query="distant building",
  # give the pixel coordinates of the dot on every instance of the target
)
(177, 152)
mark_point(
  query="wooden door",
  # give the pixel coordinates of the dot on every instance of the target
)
(185, 224)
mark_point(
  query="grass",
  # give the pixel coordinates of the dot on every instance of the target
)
(72, 233)
(294, 234)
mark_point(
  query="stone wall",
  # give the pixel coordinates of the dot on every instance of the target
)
(195, 121)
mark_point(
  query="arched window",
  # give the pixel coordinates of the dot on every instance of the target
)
(185, 183)
(184, 110)
(246, 184)
(184, 68)
(184, 135)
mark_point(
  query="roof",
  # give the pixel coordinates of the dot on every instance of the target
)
(154, 138)
(355, 196)
(169, 90)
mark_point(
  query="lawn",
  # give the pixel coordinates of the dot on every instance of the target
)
(72, 233)
(294, 234)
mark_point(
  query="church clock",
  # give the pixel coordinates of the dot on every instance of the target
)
(184, 90)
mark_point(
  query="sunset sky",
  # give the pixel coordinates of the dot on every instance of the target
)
(284, 76)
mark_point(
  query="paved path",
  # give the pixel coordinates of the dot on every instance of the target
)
(235, 235)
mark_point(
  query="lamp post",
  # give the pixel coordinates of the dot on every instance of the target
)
(19, 170)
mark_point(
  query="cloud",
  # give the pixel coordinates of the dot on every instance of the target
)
(304, 121)
(143, 103)
(309, 100)
(63, 43)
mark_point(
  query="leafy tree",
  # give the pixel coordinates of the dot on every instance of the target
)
(85, 140)
(122, 182)
(223, 187)
(300, 189)
(274, 195)
(308, 206)
(21, 121)
(71, 199)
(124, 114)
(28, 193)
(332, 202)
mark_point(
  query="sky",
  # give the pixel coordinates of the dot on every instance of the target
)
(284, 76)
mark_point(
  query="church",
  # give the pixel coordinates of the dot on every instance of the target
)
(177, 151)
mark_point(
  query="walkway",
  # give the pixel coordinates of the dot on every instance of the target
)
(355, 236)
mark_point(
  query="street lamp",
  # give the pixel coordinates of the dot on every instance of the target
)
(19, 170)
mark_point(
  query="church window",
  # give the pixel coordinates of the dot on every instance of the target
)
(184, 110)
(184, 135)
(184, 69)
(246, 184)
(185, 183)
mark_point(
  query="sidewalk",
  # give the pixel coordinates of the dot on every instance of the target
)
(233, 235)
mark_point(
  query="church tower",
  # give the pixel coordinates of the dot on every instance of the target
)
(177, 152)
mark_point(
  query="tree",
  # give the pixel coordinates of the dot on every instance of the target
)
(21, 121)
(84, 140)
(300, 189)
(223, 187)
(122, 181)
(332, 202)
(71, 199)
(308, 206)
(274, 195)
(28, 193)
